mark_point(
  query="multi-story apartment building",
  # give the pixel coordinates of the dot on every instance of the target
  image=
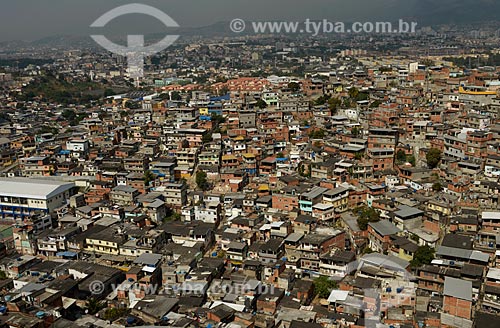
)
(136, 164)
(21, 197)
(36, 166)
(175, 194)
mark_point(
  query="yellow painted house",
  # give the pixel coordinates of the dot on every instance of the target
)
(439, 207)
(404, 248)
(476, 91)
(106, 241)
(338, 197)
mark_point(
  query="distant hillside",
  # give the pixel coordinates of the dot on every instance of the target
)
(432, 12)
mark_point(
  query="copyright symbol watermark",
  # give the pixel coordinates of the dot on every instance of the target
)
(237, 25)
(96, 287)
(136, 50)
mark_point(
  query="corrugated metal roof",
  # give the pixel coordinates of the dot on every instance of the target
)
(458, 288)
(32, 188)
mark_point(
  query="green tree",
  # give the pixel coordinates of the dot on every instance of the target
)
(423, 255)
(305, 170)
(48, 129)
(207, 137)
(68, 114)
(164, 96)
(323, 286)
(366, 215)
(334, 104)
(221, 79)
(132, 105)
(171, 215)
(223, 91)
(400, 156)
(362, 96)
(294, 86)
(176, 96)
(148, 177)
(3, 275)
(72, 117)
(218, 119)
(411, 159)
(261, 104)
(201, 180)
(375, 104)
(353, 93)
(437, 186)
(113, 314)
(428, 62)
(433, 157)
(301, 170)
(93, 305)
(355, 131)
(108, 93)
(317, 134)
(322, 100)
(367, 250)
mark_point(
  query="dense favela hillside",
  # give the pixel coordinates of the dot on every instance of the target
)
(262, 181)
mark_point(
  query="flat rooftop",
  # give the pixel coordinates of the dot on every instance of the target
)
(32, 188)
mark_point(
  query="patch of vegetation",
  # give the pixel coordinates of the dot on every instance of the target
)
(423, 255)
(113, 314)
(261, 104)
(24, 62)
(94, 305)
(317, 134)
(207, 137)
(367, 250)
(475, 62)
(322, 100)
(148, 177)
(355, 95)
(323, 286)
(132, 105)
(201, 180)
(172, 216)
(366, 215)
(294, 86)
(437, 186)
(48, 129)
(355, 131)
(305, 170)
(72, 117)
(433, 157)
(52, 89)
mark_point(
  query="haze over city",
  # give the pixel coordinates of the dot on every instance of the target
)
(35, 19)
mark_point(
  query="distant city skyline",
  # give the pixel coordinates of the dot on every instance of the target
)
(35, 19)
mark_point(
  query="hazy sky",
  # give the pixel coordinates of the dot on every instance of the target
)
(34, 19)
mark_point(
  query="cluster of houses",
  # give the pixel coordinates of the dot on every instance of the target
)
(367, 196)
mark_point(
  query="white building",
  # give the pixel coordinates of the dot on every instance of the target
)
(209, 213)
(78, 147)
(20, 197)
(391, 181)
